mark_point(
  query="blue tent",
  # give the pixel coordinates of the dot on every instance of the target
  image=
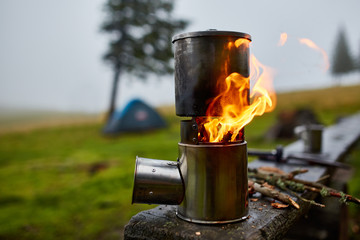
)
(137, 116)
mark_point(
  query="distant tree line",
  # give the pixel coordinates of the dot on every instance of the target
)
(343, 62)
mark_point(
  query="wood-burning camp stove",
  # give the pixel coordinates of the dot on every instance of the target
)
(209, 180)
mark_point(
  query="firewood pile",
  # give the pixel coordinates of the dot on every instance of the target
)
(282, 187)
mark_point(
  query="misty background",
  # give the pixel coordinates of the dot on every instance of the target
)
(51, 51)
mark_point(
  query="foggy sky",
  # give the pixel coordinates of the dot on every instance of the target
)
(50, 51)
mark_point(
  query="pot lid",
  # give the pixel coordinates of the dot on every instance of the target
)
(211, 33)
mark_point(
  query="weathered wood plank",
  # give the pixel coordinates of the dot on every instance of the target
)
(264, 221)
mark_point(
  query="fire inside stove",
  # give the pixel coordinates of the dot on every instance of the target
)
(235, 106)
(213, 88)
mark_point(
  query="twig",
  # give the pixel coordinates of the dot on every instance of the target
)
(309, 183)
(292, 174)
(312, 202)
(326, 192)
(263, 174)
(288, 185)
(323, 178)
(273, 194)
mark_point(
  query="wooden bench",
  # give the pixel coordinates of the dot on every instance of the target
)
(264, 222)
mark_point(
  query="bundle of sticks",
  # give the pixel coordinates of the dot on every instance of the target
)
(269, 181)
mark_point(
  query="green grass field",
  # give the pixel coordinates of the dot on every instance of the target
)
(70, 182)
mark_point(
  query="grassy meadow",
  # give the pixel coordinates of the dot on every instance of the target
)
(70, 182)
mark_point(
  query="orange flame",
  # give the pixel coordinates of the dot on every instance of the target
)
(233, 101)
(283, 39)
(312, 45)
